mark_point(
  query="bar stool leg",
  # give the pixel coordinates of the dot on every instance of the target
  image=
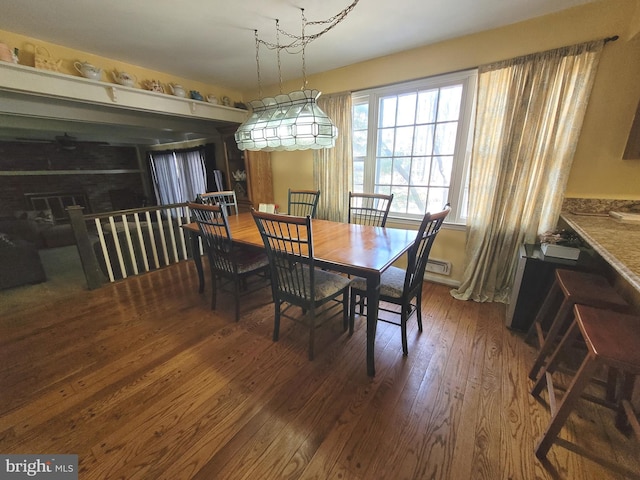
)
(622, 420)
(568, 339)
(549, 300)
(612, 382)
(572, 395)
(559, 321)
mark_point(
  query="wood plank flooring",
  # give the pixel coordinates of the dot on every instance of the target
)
(143, 381)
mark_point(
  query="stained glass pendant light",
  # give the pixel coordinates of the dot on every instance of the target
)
(291, 121)
(287, 122)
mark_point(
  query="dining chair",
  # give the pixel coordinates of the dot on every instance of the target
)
(226, 198)
(400, 287)
(295, 280)
(303, 202)
(226, 260)
(369, 208)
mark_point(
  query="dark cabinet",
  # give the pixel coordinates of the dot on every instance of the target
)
(534, 275)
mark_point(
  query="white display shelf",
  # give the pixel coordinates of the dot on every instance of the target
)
(32, 81)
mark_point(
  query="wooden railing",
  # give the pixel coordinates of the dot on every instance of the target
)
(116, 245)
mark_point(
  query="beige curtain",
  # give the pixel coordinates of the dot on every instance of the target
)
(529, 115)
(332, 167)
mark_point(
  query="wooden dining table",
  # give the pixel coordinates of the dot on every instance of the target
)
(357, 250)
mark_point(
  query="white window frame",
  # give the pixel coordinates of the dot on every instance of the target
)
(458, 188)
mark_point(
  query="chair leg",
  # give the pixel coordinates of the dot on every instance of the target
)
(214, 290)
(419, 310)
(546, 348)
(312, 330)
(361, 303)
(549, 300)
(237, 295)
(568, 339)
(612, 381)
(403, 331)
(276, 320)
(352, 310)
(623, 422)
(345, 311)
(567, 404)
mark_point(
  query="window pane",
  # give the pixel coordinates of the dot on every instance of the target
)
(427, 106)
(406, 109)
(383, 171)
(399, 204)
(423, 140)
(404, 141)
(401, 170)
(445, 141)
(420, 171)
(359, 143)
(417, 200)
(449, 108)
(388, 111)
(358, 171)
(441, 171)
(360, 116)
(385, 142)
(437, 199)
(384, 190)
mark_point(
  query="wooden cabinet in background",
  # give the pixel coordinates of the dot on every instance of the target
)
(257, 188)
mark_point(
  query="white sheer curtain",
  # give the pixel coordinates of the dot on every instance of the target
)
(178, 176)
(332, 167)
(529, 116)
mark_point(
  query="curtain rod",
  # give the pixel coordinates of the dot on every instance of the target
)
(606, 40)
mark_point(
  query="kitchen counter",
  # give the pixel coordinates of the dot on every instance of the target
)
(618, 243)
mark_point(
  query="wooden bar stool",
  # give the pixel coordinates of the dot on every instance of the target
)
(572, 287)
(612, 340)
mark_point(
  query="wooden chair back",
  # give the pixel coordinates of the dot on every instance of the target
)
(226, 199)
(369, 208)
(289, 246)
(418, 253)
(294, 278)
(303, 202)
(215, 233)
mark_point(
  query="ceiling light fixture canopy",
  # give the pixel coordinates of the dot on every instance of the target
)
(291, 121)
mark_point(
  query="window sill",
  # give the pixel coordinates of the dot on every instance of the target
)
(409, 223)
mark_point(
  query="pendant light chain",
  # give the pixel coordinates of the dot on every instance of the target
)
(293, 121)
(278, 51)
(258, 62)
(302, 41)
(304, 62)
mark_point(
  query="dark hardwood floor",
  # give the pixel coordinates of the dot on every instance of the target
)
(143, 381)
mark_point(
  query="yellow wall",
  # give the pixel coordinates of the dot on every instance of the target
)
(598, 170)
(69, 56)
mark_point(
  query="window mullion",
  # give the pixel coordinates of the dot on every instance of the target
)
(372, 145)
(464, 144)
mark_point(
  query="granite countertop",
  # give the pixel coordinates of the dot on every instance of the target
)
(616, 241)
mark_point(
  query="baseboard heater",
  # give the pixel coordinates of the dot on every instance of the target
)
(438, 266)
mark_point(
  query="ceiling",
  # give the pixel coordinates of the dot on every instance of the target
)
(212, 41)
